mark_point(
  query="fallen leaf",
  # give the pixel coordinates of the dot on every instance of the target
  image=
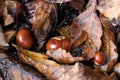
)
(3, 42)
(108, 46)
(109, 8)
(8, 19)
(62, 56)
(54, 71)
(88, 24)
(42, 17)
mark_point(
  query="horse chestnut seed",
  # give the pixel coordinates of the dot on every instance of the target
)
(99, 58)
(58, 42)
(24, 38)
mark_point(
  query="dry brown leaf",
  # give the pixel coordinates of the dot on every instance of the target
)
(54, 71)
(42, 17)
(76, 35)
(8, 19)
(86, 23)
(89, 22)
(3, 42)
(108, 46)
(109, 8)
(62, 56)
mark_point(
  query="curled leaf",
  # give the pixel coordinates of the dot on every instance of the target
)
(62, 56)
(42, 17)
(34, 55)
(108, 47)
(87, 24)
(54, 71)
(76, 36)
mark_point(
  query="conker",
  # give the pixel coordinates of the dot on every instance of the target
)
(99, 58)
(24, 38)
(58, 42)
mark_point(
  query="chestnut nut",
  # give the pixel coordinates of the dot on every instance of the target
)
(24, 38)
(99, 58)
(58, 42)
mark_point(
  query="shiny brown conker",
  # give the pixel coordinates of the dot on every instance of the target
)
(99, 58)
(58, 42)
(24, 38)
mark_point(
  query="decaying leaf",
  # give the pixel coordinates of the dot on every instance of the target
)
(54, 71)
(42, 17)
(3, 42)
(86, 23)
(76, 35)
(108, 46)
(63, 56)
(109, 8)
(89, 22)
(11, 68)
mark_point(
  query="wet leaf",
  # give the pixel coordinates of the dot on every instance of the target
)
(109, 8)
(108, 46)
